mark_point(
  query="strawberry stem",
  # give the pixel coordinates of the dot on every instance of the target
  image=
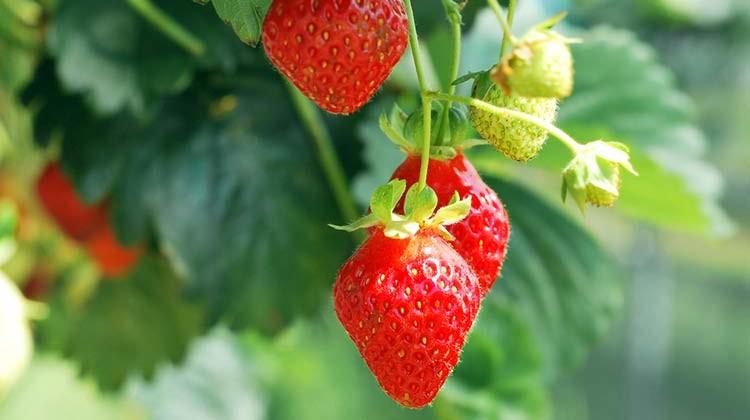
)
(556, 132)
(327, 156)
(454, 17)
(506, 24)
(168, 26)
(426, 104)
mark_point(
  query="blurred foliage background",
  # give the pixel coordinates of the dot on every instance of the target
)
(205, 161)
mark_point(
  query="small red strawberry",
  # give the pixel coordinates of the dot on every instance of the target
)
(337, 52)
(482, 237)
(74, 217)
(113, 258)
(406, 298)
(408, 305)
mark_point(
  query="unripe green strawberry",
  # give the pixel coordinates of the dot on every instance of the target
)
(516, 139)
(540, 66)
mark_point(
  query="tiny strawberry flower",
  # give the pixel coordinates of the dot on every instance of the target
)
(593, 176)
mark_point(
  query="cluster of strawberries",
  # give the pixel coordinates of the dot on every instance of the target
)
(410, 294)
(86, 224)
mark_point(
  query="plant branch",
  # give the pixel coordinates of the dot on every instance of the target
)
(168, 26)
(327, 156)
(561, 135)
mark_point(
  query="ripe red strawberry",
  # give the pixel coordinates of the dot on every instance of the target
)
(74, 217)
(408, 305)
(337, 52)
(112, 258)
(482, 237)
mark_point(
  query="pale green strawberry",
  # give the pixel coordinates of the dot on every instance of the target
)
(516, 139)
(539, 66)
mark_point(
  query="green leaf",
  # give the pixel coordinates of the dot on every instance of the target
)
(245, 17)
(622, 93)
(563, 283)
(217, 381)
(128, 326)
(118, 60)
(235, 200)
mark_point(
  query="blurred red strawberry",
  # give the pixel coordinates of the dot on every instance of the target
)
(74, 217)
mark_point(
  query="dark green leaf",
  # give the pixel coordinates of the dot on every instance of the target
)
(119, 60)
(239, 205)
(128, 326)
(563, 283)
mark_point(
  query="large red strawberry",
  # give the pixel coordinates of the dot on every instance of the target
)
(113, 258)
(406, 298)
(482, 237)
(76, 218)
(337, 52)
(408, 305)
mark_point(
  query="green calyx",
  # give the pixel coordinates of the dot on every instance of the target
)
(593, 176)
(447, 141)
(419, 211)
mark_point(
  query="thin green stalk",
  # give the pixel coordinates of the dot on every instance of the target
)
(506, 24)
(327, 157)
(455, 68)
(168, 26)
(426, 104)
(507, 39)
(564, 137)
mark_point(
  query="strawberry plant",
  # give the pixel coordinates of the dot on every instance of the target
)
(207, 156)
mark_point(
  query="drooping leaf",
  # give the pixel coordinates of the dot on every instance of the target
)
(227, 184)
(118, 60)
(128, 326)
(244, 16)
